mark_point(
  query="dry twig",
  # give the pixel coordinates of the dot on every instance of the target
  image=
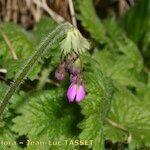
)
(3, 71)
(9, 45)
(123, 7)
(8, 11)
(72, 12)
(42, 4)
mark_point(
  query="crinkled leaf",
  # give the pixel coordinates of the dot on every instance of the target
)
(47, 116)
(7, 137)
(8, 140)
(131, 112)
(120, 59)
(95, 107)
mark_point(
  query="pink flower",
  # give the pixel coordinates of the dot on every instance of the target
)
(76, 92)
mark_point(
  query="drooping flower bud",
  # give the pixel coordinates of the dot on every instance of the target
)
(60, 72)
(59, 75)
(72, 46)
(76, 92)
(73, 78)
(69, 60)
(76, 67)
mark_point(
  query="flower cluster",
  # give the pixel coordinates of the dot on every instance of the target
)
(71, 47)
(71, 64)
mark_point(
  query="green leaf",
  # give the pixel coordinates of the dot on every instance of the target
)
(132, 113)
(120, 59)
(7, 140)
(90, 21)
(118, 67)
(7, 137)
(146, 47)
(23, 45)
(137, 21)
(122, 45)
(44, 26)
(95, 106)
(47, 116)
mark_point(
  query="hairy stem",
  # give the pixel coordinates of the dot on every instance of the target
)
(51, 39)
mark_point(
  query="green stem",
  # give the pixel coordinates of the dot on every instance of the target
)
(53, 38)
(121, 127)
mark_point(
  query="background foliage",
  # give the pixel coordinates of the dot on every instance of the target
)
(117, 79)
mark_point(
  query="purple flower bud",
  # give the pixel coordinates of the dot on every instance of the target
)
(59, 75)
(76, 67)
(60, 72)
(73, 78)
(75, 71)
(76, 92)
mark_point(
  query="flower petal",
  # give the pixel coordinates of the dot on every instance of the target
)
(80, 93)
(71, 93)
